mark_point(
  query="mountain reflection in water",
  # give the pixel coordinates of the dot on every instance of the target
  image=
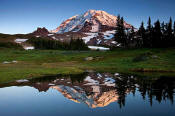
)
(101, 89)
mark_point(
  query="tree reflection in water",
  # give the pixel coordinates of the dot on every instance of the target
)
(162, 88)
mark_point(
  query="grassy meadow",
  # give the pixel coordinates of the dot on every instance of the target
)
(37, 63)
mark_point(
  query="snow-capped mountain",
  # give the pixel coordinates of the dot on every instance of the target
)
(95, 27)
(90, 21)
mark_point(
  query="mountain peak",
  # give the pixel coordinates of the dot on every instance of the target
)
(90, 21)
(96, 11)
(41, 31)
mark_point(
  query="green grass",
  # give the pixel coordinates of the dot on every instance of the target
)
(49, 62)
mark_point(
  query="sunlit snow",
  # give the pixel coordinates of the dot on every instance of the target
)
(29, 48)
(20, 40)
(98, 48)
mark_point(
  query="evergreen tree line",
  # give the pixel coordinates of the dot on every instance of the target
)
(159, 35)
(10, 45)
(45, 43)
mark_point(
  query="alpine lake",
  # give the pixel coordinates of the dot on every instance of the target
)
(89, 94)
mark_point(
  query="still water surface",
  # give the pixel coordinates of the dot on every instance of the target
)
(92, 94)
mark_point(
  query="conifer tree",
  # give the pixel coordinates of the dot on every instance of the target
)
(174, 29)
(163, 27)
(120, 35)
(149, 38)
(149, 27)
(132, 33)
(174, 35)
(117, 35)
(163, 39)
(141, 33)
(157, 35)
(71, 44)
(169, 34)
(131, 38)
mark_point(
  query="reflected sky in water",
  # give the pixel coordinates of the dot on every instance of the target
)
(91, 94)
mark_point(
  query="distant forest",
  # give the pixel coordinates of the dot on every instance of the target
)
(159, 35)
(45, 43)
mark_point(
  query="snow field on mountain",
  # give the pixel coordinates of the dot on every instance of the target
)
(109, 34)
(90, 36)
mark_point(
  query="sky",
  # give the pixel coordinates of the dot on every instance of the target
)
(24, 16)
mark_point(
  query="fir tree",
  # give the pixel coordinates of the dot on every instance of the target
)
(168, 34)
(132, 33)
(163, 39)
(117, 35)
(174, 35)
(71, 44)
(174, 29)
(157, 35)
(149, 38)
(120, 35)
(141, 33)
(77, 44)
(131, 38)
(163, 27)
(149, 27)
